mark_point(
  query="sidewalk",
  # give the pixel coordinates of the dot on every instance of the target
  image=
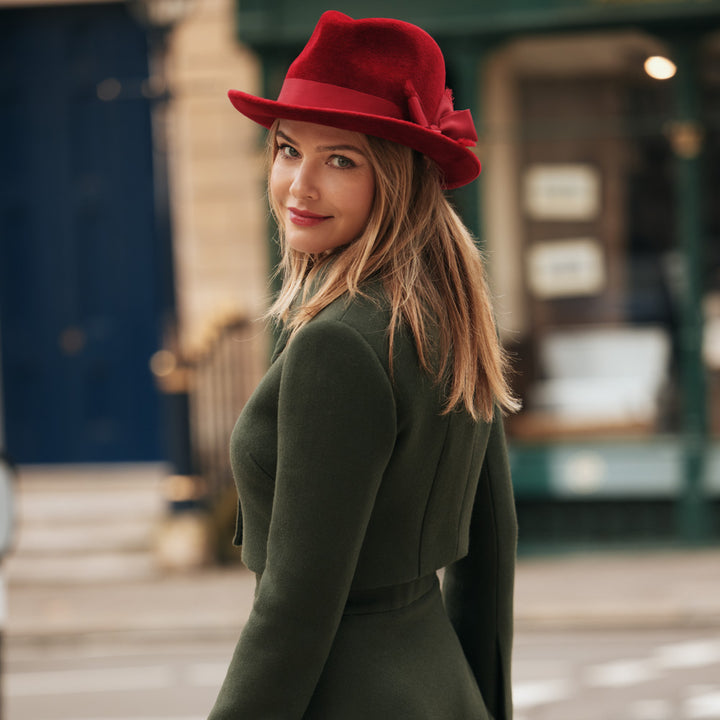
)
(85, 566)
(201, 603)
(667, 589)
(629, 589)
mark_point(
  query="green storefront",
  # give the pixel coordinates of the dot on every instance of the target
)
(599, 209)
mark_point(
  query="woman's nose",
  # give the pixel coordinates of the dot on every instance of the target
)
(304, 184)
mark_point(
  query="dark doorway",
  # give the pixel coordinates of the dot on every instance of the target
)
(79, 265)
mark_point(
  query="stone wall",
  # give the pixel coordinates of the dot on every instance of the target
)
(216, 175)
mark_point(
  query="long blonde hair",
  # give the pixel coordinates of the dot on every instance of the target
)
(432, 272)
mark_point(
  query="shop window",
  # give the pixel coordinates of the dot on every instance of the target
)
(597, 346)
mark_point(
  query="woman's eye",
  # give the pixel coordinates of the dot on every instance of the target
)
(342, 162)
(287, 151)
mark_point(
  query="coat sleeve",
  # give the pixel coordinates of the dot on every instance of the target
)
(336, 432)
(478, 589)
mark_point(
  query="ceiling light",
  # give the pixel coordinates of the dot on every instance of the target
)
(659, 67)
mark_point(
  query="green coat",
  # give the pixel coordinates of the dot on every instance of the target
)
(354, 491)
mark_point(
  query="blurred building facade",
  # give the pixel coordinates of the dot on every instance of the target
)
(131, 217)
(597, 207)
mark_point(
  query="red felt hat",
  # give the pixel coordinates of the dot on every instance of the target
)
(380, 77)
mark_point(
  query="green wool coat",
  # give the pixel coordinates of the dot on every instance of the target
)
(354, 490)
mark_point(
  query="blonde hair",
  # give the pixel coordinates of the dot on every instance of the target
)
(432, 272)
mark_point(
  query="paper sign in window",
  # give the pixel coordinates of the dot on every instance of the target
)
(566, 268)
(562, 192)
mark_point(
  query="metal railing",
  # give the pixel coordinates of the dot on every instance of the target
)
(222, 378)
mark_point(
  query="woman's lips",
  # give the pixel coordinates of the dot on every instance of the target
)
(305, 217)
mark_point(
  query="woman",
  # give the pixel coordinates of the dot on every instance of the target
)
(372, 453)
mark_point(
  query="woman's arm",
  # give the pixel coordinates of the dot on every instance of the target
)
(336, 431)
(478, 589)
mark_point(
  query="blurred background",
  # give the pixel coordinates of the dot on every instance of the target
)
(136, 255)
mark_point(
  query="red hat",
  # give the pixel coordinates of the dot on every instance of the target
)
(379, 77)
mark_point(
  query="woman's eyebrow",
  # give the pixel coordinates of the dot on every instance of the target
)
(324, 148)
(335, 148)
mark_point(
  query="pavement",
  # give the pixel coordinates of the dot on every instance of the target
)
(68, 581)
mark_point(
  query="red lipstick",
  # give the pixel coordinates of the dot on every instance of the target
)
(305, 218)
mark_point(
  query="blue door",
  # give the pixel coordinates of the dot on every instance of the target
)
(79, 263)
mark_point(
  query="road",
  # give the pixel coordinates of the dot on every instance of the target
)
(114, 679)
(629, 675)
(559, 675)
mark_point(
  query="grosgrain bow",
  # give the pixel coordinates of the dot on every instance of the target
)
(454, 124)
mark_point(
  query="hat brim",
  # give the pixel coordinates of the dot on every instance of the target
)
(459, 165)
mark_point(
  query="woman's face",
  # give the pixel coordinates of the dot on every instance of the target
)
(322, 185)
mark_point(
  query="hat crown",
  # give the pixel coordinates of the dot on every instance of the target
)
(377, 76)
(376, 56)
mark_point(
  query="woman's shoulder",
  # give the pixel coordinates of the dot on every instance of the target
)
(367, 310)
(364, 315)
